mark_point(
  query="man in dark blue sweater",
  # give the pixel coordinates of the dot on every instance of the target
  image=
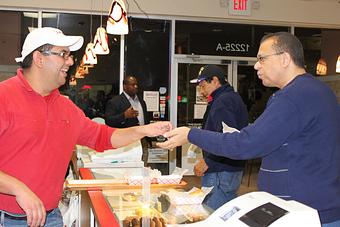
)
(297, 136)
(224, 105)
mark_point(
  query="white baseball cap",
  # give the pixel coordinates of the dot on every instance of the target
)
(48, 35)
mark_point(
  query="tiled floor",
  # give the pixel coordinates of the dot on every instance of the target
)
(249, 180)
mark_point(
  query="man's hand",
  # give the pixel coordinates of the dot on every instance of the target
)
(33, 207)
(200, 168)
(157, 129)
(130, 113)
(26, 199)
(124, 136)
(176, 137)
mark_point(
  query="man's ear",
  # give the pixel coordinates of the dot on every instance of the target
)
(215, 79)
(37, 59)
(286, 59)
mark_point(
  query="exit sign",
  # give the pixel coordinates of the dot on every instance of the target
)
(239, 7)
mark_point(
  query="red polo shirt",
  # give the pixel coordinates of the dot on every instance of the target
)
(37, 137)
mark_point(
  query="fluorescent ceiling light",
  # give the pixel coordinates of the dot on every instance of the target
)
(44, 15)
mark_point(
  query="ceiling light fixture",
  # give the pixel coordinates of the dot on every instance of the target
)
(117, 22)
(101, 45)
(89, 57)
(321, 67)
(337, 69)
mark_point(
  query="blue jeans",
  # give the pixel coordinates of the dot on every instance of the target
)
(332, 224)
(225, 187)
(53, 219)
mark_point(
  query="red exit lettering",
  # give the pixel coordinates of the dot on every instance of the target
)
(240, 5)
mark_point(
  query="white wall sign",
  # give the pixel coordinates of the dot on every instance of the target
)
(157, 155)
(151, 99)
(199, 110)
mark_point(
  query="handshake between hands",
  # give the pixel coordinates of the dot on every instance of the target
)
(174, 137)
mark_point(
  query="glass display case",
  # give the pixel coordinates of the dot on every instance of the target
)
(136, 205)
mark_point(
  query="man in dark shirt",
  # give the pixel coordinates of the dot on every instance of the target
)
(224, 105)
(297, 135)
(127, 109)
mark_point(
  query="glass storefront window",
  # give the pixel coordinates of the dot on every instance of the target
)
(311, 41)
(217, 39)
(14, 26)
(147, 57)
(220, 39)
(319, 43)
(102, 81)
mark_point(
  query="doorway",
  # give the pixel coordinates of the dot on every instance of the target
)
(187, 106)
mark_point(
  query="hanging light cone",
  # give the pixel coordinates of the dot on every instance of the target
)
(337, 69)
(84, 69)
(82, 64)
(101, 45)
(89, 57)
(321, 67)
(81, 72)
(73, 81)
(79, 75)
(117, 23)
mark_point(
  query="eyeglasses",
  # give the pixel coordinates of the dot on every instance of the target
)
(262, 58)
(64, 54)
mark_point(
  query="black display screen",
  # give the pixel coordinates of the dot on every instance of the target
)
(263, 215)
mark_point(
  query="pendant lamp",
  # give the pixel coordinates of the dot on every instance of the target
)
(101, 45)
(321, 67)
(73, 81)
(79, 75)
(89, 57)
(337, 69)
(101, 41)
(117, 22)
(81, 72)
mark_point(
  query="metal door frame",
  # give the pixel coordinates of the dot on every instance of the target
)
(232, 63)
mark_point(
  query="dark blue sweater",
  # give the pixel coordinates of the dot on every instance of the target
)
(298, 138)
(226, 106)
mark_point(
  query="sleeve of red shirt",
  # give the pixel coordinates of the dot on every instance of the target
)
(103, 141)
(94, 135)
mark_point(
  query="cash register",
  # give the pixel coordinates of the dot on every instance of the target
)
(261, 209)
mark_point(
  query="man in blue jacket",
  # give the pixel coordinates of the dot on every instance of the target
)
(297, 136)
(224, 105)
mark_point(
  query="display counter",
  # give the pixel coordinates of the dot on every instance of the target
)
(113, 205)
(125, 206)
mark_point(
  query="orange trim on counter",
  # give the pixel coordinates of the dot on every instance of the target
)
(86, 174)
(102, 211)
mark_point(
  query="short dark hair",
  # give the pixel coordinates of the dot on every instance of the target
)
(221, 80)
(287, 42)
(126, 79)
(27, 62)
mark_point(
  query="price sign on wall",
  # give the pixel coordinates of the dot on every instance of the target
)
(239, 7)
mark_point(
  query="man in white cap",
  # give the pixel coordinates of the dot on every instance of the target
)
(39, 129)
